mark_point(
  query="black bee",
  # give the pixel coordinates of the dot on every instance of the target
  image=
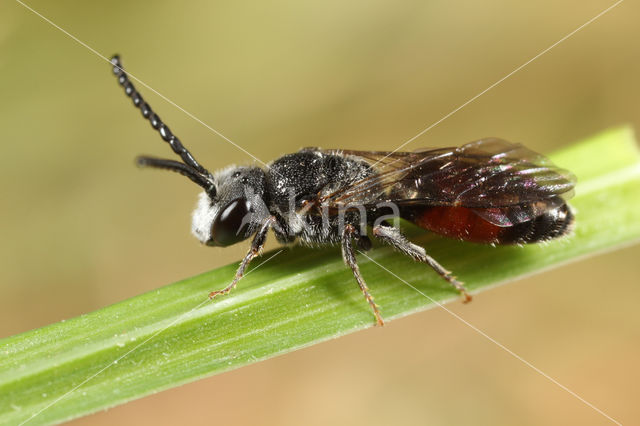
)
(488, 191)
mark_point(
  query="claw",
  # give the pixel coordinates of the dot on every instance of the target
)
(216, 293)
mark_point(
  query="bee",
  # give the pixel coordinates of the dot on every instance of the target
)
(489, 191)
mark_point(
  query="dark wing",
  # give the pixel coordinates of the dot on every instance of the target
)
(504, 182)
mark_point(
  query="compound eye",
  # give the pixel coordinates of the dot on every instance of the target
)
(228, 228)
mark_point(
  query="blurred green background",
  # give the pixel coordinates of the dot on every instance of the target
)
(82, 228)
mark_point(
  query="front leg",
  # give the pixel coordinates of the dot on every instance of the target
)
(256, 248)
(349, 257)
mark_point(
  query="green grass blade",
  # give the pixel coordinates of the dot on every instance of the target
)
(299, 298)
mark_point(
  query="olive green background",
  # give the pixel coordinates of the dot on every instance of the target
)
(82, 228)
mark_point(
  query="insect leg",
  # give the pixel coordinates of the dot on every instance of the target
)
(256, 248)
(349, 257)
(392, 236)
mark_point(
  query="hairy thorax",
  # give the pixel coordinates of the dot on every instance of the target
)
(298, 182)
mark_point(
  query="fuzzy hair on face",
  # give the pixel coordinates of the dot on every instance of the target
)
(203, 216)
(206, 209)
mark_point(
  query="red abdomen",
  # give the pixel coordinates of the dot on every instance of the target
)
(464, 224)
(457, 222)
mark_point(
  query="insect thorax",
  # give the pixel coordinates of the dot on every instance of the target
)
(296, 184)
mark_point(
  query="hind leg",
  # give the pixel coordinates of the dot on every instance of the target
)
(394, 238)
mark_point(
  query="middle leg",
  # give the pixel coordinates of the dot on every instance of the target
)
(349, 256)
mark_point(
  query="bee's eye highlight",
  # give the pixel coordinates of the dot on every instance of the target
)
(228, 228)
